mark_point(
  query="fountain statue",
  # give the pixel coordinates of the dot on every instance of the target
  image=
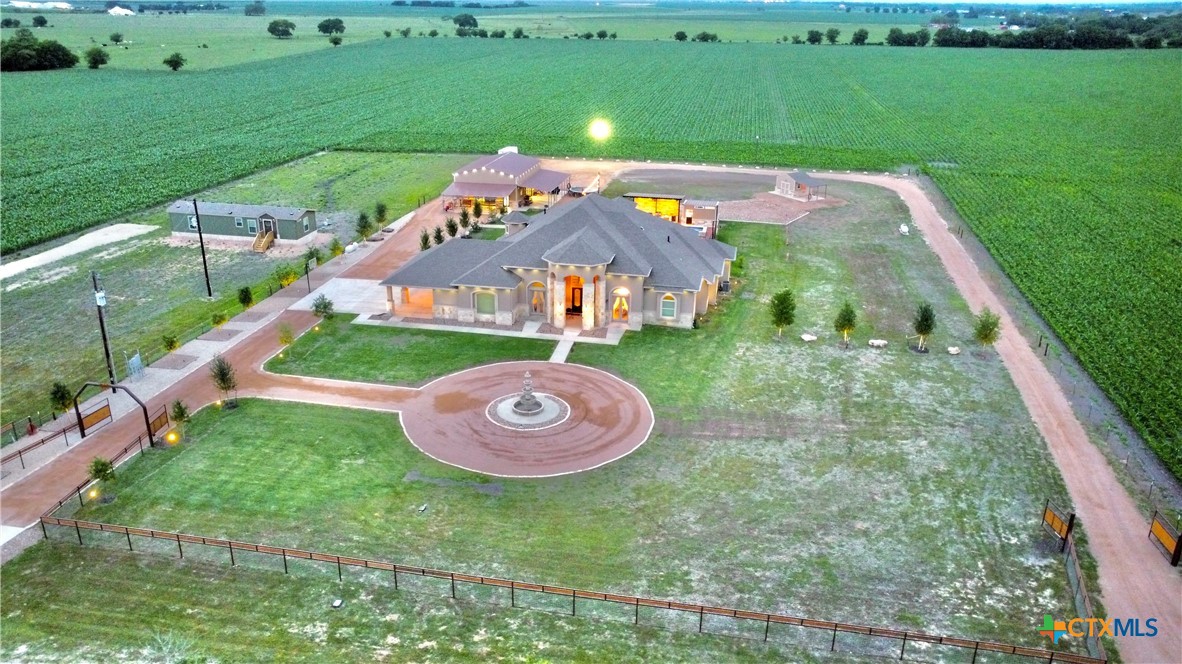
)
(527, 410)
(528, 404)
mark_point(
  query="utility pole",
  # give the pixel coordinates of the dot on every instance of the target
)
(201, 240)
(100, 301)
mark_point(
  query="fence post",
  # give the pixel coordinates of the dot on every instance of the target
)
(453, 584)
(701, 617)
(79, 531)
(178, 547)
(340, 577)
(21, 455)
(833, 643)
(43, 531)
(976, 645)
(572, 602)
(637, 621)
(79, 492)
(513, 594)
(396, 577)
(284, 553)
(231, 546)
(904, 648)
(128, 533)
(1067, 535)
(768, 627)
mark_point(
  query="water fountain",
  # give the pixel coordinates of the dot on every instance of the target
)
(528, 410)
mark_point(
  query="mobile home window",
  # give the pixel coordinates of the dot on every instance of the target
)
(238, 222)
(192, 223)
(305, 224)
(252, 226)
(668, 306)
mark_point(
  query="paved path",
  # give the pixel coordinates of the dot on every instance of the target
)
(1135, 580)
(561, 351)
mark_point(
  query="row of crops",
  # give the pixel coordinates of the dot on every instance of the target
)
(1068, 165)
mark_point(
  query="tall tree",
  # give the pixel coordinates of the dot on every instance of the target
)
(175, 61)
(814, 37)
(365, 227)
(281, 28)
(987, 327)
(331, 26)
(924, 324)
(680, 35)
(116, 38)
(96, 57)
(846, 321)
(783, 310)
(832, 34)
(40, 21)
(860, 36)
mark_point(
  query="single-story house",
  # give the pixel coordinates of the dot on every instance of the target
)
(588, 264)
(700, 214)
(800, 185)
(506, 179)
(257, 223)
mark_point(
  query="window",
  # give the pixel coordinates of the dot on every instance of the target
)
(305, 224)
(192, 223)
(668, 306)
(238, 222)
(252, 226)
(486, 303)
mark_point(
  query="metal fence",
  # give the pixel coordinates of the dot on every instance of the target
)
(62, 435)
(716, 620)
(1060, 523)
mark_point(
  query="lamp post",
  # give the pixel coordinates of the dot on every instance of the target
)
(201, 240)
(100, 301)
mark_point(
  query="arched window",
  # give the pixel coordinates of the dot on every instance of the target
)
(486, 303)
(668, 306)
(537, 298)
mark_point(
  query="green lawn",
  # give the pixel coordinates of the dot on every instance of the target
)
(48, 326)
(63, 603)
(889, 488)
(400, 356)
(486, 233)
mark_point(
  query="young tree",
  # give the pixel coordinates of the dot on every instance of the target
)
(452, 227)
(381, 213)
(175, 61)
(314, 254)
(180, 415)
(116, 38)
(832, 34)
(331, 26)
(286, 275)
(335, 40)
(323, 307)
(477, 210)
(987, 327)
(438, 235)
(222, 374)
(335, 248)
(424, 240)
(860, 36)
(255, 9)
(60, 397)
(924, 324)
(783, 310)
(245, 297)
(286, 334)
(680, 35)
(96, 57)
(814, 37)
(40, 21)
(474, 228)
(171, 342)
(365, 227)
(101, 470)
(281, 28)
(845, 322)
(219, 319)
(465, 218)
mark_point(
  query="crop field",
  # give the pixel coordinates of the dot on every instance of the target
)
(1077, 197)
(902, 489)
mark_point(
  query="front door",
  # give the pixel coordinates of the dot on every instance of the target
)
(620, 308)
(538, 302)
(576, 301)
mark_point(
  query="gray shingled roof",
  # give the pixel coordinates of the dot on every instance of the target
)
(237, 210)
(591, 231)
(805, 179)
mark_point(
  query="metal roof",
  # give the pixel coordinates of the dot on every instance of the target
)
(544, 180)
(805, 179)
(237, 210)
(479, 190)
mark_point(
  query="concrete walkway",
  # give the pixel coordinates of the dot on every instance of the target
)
(561, 351)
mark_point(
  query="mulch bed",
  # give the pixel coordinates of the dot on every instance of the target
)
(174, 361)
(600, 333)
(221, 334)
(547, 328)
(249, 317)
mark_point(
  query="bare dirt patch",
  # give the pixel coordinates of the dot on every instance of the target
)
(767, 207)
(95, 238)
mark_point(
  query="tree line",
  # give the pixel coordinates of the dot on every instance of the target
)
(1109, 32)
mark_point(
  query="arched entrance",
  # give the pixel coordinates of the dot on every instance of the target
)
(620, 304)
(574, 295)
(537, 298)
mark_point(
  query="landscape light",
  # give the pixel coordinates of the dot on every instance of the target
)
(93, 493)
(171, 436)
(600, 130)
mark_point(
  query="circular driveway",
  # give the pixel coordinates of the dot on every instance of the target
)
(609, 418)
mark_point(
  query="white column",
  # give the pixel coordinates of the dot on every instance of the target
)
(589, 305)
(558, 303)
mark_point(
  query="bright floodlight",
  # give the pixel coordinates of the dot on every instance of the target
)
(600, 130)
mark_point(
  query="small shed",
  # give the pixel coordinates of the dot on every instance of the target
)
(801, 186)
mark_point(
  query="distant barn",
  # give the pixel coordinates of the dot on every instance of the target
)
(801, 186)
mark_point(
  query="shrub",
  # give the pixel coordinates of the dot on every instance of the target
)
(60, 396)
(322, 306)
(335, 247)
(286, 334)
(286, 275)
(245, 297)
(219, 319)
(171, 342)
(101, 470)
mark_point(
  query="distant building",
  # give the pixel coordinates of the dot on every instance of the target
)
(263, 224)
(505, 179)
(589, 264)
(800, 186)
(699, 214)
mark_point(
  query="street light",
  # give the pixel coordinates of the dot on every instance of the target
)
(100, 302)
